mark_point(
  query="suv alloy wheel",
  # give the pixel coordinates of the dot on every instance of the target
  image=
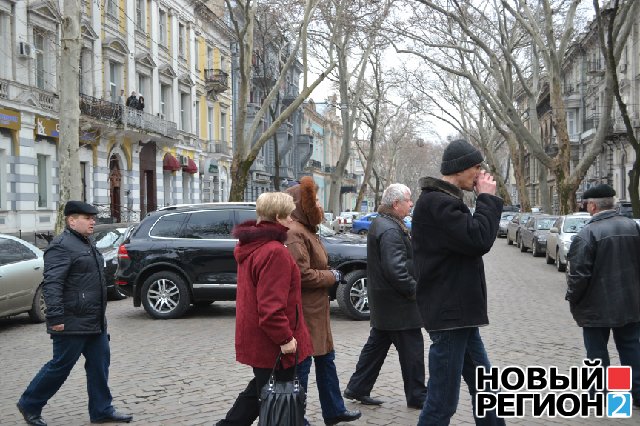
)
(352, 295)
(165, 295)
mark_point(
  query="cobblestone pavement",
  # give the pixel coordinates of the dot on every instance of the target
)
(183, 372)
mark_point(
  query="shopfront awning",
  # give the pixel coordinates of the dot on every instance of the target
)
(170, 163)
(191, 167)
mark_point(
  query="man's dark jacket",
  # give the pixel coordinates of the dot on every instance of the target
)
(603, 283)
(391, 286)
(448, 245)
(74, 286)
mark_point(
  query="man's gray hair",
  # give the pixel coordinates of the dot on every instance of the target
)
(394, 192)
(603, 203)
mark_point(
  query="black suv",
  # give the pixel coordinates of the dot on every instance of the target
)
(182, 256)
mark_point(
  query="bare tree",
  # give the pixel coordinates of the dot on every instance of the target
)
(486, 37)
(247, 140)
(608, 47)
(360, 35)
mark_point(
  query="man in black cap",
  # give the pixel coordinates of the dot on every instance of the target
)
(75, 294)
(603, 283)
(448, 245)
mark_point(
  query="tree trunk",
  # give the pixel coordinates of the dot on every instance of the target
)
(276, 164)
(69, 141)
(545, 200)
(634, 181)
(369, 167)
(239, 178)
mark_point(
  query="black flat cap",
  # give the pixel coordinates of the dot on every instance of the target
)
(79, 207)
(599, 191)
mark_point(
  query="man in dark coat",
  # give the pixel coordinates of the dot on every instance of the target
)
(448, 245)
(132, 101)
(75, 294)
(391, 289)
(603, 283)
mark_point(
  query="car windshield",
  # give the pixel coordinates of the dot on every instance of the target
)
(574, 224)
(545, 223)
(108, 238)
(325, 231)
(524, 218)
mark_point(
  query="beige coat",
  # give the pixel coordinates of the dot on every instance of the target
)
(310, 255)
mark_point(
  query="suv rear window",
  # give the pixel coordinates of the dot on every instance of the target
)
(208, 224)
(168, 226)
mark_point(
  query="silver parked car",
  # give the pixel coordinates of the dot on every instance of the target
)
(560, 236)
(505, 218)
(21, 268)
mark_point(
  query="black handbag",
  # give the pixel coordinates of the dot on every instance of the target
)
(282, 403)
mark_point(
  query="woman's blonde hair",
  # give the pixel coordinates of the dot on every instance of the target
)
(273, 205)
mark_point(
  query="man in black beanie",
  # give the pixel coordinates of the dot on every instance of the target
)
(603, 283)
(448, 245)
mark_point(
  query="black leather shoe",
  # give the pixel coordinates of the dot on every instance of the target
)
(31, 419)
(365, 400)
(346, 416)
(114, 417)
(416, 406)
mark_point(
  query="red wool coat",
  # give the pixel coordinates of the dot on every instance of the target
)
(268, 297)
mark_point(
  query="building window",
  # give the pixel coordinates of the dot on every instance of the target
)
(83, 179)
(165, 91)
(39, 44)
(5, 34)
(112, 9)
(140, 12)
(209, 57)
(43, 188)
(223, 126)
(114, 81)
(162, 27)
(185, 103)
(196, 56)
(210, 123)
(182, 36)
(197, 132)
(144, 89)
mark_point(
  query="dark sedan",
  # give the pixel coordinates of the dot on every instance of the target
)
(183, 256)
(534, 234)
(513, 227)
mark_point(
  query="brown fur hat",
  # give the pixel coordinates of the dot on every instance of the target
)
(304, 195)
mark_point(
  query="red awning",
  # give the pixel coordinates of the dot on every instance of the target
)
(170, 163)
(190, 167)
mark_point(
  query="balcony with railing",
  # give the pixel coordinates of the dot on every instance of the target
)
(216, 80)
(116, 114)
(218, 147)
(13, 90)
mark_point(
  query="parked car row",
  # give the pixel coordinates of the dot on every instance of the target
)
(545, 235)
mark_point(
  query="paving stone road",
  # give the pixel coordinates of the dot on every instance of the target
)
(183, 372)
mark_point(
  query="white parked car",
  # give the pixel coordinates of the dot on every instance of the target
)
(560, 236)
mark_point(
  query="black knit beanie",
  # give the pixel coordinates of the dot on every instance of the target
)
(459, 155)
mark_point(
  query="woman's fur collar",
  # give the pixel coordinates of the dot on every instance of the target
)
(251, 231)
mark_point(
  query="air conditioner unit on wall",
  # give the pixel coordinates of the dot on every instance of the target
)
(25, 50)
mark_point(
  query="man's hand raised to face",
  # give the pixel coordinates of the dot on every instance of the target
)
(485, 184)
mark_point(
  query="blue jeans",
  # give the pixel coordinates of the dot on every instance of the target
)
(66, 352)
(453, 354)
(627, 341)
(327, 380)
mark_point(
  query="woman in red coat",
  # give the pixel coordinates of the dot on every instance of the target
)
(269, 317)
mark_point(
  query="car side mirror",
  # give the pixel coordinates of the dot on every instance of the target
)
(553, 230)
